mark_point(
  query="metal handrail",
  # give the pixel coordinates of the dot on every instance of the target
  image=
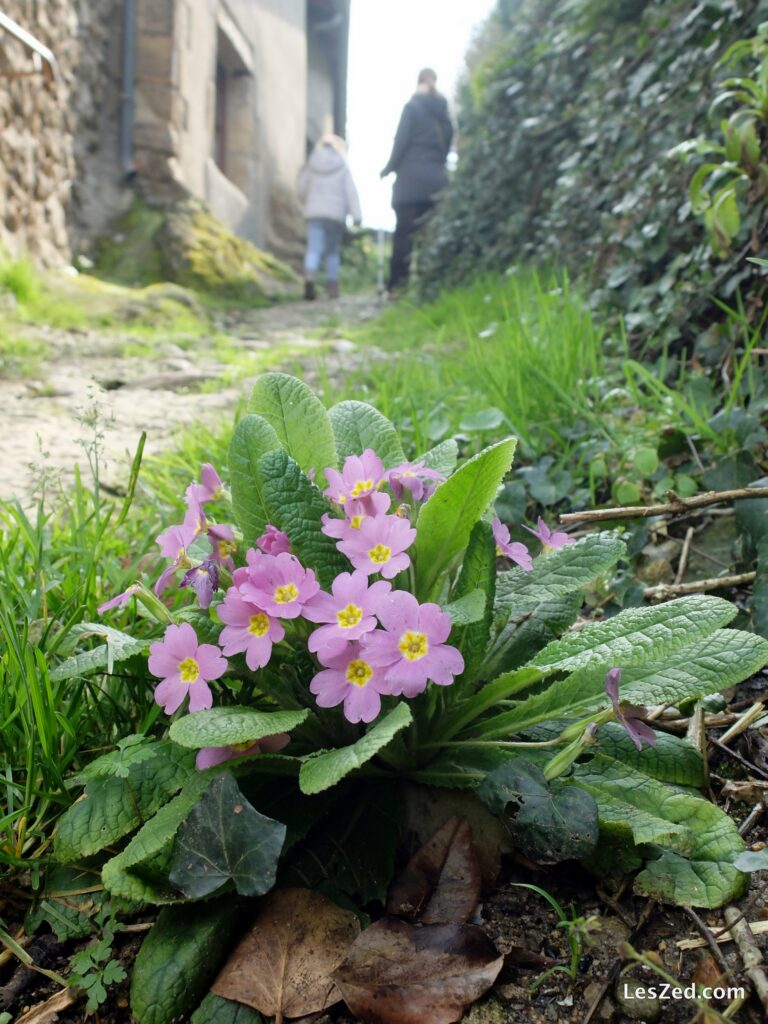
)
(42, 58)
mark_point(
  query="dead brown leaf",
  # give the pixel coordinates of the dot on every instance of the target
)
(442, 881)
(400, 973)
(283, 966)
(751, 792)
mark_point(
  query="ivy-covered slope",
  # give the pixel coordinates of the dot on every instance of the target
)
(567, 117)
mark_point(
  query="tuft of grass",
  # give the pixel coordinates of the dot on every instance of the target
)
(20, 278)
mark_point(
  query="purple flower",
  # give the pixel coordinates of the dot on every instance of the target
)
(349, 611)
(378, 545)
(121, 600)
(548, 538)
(355, 511)
(204, 580)
(414, 477)
(273, 541)
(351, 679)
(411, 645)
(223, 545)
(360, 475)
(517, 553)
(175, 541)
(209, 757)
(210, 487)
(185, 668)
(278, 584)
(638, 730)
(248, 629)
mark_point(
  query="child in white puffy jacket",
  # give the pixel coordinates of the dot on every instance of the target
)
(329, 195)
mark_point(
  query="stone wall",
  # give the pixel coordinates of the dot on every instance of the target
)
(55, 190)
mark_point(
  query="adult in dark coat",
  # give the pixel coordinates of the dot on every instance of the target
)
(422, 144)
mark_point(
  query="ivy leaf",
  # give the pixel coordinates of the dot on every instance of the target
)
(357, 426)
(545, 819)
(224, 727)
(225, 839)
(327, 767)
(447, 519)
(253, 438)
(299, 419)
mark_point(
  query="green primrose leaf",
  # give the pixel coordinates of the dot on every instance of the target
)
(442, 457)
(253, 438)
(357, 426)
(673, 760)
(299, 419)
(447, 519)
(119, 647)
(224, 838)
(217, 1010)
(224, 727)
(179, 959)
(327, 767)
(467, 609)
(528, 632)
(477, 576)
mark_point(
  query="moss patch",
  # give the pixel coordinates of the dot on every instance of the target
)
(186, 245)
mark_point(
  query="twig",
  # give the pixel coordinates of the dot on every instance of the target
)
(742, 760)
(682, 565)
(665, 590)
(724, 935)
(48, 1011)
(674, 507)
(743, 722)
(696, 734)
(751, 819)
(709, 940)
(750, 954)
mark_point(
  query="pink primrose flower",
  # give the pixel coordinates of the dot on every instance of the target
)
(628, 716)
(379, 545)
(411, 647)
(414, 477)
(210, 487)
(278, 584)
(517, 553)
(185, 668)
(360, 475)
(204, 580)
(549, 538)
(223, 545)
(248, 629)
(355, 511)
(348, 611)
(175, 542)
(121, 600)
(350, 679)
(209, 757)
(273, 541)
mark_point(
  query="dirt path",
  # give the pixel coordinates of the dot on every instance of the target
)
(128, 386)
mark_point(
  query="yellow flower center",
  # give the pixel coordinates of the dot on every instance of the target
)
(258, 624)
(240, 747)
(359, 672)
(286, 593)
(408, 472)
(227, 548)
(355, 522)
(361, 487)
(380, 555)
(341, 499)
(185, 562)
(349, 616)
(189, 670)
(413, 645)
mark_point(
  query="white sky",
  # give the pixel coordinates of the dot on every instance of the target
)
(390, 40)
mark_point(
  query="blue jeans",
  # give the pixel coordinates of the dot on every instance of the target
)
(323, 236)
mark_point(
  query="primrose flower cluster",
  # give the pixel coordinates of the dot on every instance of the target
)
(369, 640)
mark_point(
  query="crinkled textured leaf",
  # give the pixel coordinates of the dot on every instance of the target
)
(223, 839)
(637, 634)
(399, 973)
(253, 438)
(215, 1010)
(139, 873)
(296, 506)
(442, 457)
(223, 727)
(478, 575)
(526, 634)
(322, 770)
(179, 958)
(698, 841)
(131, 750)
(283, 966)
(119, 647)
(709, 664)
(63, 904)
(442, 881)
(556, 573)
(467, 609)
(544, 818)
(299, 419)
(673, 760)
(357, 426)
(111, 808)
(447, 519)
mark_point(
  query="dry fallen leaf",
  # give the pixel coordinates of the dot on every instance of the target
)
(399, 973)
(283, 966)
(442, 881)
(751, 792)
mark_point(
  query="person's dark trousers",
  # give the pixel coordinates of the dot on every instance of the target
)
(410, 217)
